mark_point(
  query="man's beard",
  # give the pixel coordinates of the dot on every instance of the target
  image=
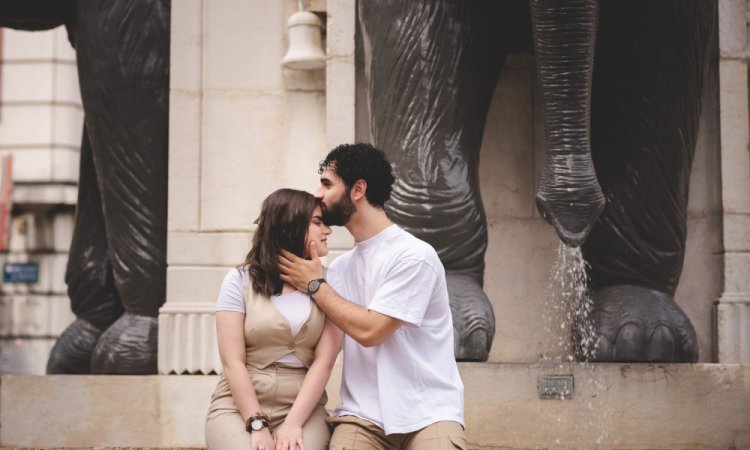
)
(339, 213)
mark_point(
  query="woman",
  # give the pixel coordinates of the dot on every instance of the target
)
(276, 346)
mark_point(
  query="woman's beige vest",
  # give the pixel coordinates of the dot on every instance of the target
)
(268, 335)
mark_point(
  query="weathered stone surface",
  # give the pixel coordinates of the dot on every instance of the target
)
(642, 406)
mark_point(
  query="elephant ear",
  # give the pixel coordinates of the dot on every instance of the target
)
(569, 195)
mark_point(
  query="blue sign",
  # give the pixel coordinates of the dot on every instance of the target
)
(20, 273)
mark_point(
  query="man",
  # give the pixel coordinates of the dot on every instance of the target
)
(400, 386)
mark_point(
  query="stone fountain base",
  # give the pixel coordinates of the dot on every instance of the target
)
(619, 406)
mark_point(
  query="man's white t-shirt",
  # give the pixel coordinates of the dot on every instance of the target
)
(411, 380)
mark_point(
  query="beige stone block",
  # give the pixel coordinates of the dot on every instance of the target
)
(737, 232)
(31, 164)
(64, 51)
(30, 316)
(638, 406)
(220, 249)
(34, 316)
(246, 155)
(242, 162)
(67, 122)
(65, 165)
(41, 194)
(194, 284)
(147, 404)
(732, 28)
(67, 89)
(342, 19)
(27, 125)
(305, 139)
(243, 45)
(701, 280)
(340, 100)
(62, 230)
(26, 82)
(28, 45)
(735, 159)
(518, 260)
(186, 46)
(24, 356)
(737, 273)
(733, 315)
(184, 161)
(506, 171)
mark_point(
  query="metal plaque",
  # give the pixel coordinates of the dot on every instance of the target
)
(556, 387)
(21, 273)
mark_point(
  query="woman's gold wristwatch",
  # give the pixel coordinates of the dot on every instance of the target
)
(257, 422)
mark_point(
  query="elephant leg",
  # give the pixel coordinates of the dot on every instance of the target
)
(123, 61)
(91, 287)
(650, 66)
(432, 67)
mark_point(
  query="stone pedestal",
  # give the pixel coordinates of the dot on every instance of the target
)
(612, 406)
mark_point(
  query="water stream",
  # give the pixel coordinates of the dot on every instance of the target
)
(567, 319)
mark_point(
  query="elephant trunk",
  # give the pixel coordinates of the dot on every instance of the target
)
(569, 195)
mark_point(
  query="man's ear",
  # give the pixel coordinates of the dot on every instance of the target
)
(358, 190)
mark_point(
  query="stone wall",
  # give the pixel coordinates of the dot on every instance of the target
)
(41, 119)
(240, 128)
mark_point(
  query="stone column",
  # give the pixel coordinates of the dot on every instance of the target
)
(340, 72)
(240, 128)
(733, 307)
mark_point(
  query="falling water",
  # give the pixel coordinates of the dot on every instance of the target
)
(568, 320)
(569, 306)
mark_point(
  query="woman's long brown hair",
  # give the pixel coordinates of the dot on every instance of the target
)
(283, 222)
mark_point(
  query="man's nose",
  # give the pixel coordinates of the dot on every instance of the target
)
(319, 194)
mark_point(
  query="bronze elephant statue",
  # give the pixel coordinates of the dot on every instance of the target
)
(621, 84)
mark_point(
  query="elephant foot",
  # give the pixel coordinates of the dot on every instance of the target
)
(473, 318)
(72, 351)
(637, 324)
(128, 347)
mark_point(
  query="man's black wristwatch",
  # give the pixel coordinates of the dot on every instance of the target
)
(257, 422)
(314, 285)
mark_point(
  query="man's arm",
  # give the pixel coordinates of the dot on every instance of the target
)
(369, 328)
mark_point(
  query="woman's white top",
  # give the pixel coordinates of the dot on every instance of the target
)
(295, 306)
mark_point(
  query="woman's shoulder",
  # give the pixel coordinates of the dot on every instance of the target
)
(232, 293)
(237, 276)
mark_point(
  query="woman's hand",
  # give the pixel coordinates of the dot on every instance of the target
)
(288, 437)
(261, 440)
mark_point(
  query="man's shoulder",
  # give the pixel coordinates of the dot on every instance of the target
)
(410, 246)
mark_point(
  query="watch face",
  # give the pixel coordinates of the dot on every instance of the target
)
(313, 286)
(256, 424)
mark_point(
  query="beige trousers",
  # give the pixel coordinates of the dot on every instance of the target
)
(276, 388)
(353, 433)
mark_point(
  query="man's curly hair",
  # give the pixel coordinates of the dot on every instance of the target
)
(354, 162)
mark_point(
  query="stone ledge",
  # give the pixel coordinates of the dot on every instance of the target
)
(636, 406)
